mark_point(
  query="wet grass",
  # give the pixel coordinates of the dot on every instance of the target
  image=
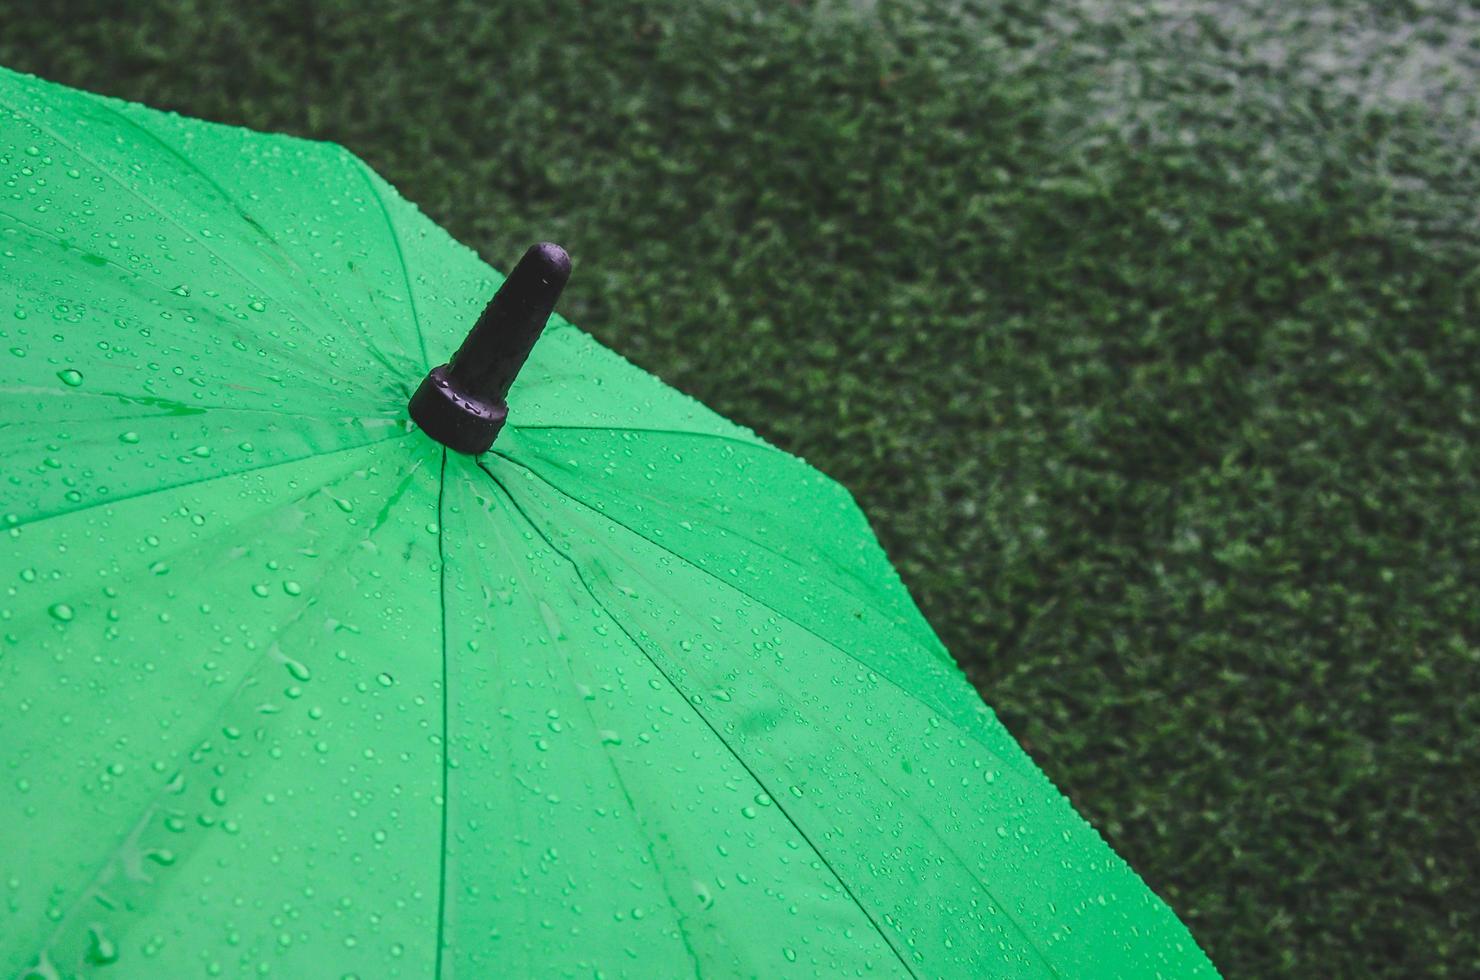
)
(1148, 342)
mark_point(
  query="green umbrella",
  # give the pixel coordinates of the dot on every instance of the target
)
(288, 687)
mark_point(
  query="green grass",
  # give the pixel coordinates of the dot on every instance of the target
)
(1149, 343)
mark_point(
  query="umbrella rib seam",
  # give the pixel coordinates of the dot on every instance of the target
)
(198, 409)
(205, 479)
(446, 701)
(364, 171)
(735, 440)
(776, 798)
(937, 650)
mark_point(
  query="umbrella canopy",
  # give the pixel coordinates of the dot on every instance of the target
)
(288, 687)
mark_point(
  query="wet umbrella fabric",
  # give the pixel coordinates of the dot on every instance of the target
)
(285, 686)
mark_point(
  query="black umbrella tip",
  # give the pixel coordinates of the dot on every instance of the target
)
(554, 262)
(461, 403)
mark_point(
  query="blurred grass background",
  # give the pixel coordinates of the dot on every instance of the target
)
(1145, 333)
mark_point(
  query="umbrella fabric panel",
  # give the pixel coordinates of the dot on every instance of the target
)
(221, 733)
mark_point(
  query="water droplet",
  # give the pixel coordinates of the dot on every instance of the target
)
(181, 290)
(129, 437)
(100, 949)
(62, 612)
(260, 590)
(257, 305)
(292, 588)
(386, 680)
(71, 377)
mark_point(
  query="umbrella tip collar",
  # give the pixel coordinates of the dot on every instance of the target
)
(455, 418)
(461, 404)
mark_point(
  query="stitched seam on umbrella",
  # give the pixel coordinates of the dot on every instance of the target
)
(199, 408)
(899, 954)
(803, 627)
(191, 165)
(736, 440)
(446, 700)
(680, 919)
(939, 651)
(364, 171)
(205, 479)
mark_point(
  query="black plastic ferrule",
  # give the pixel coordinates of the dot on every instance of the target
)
(461, 404)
